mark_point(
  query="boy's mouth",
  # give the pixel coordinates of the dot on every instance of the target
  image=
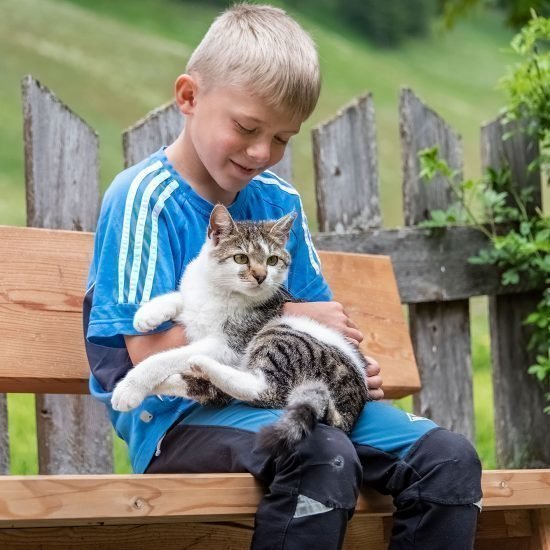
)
(244, 168)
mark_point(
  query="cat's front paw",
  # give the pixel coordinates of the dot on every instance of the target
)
(150, 316)
(197, 366)
(127, 395)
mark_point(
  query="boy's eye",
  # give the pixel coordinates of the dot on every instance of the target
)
(272, 260)
(243, 129)
(241, 258)
(281, 141)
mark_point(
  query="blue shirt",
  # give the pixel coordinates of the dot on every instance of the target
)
(151, 225)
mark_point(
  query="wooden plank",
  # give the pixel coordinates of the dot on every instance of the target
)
(541, 528)
(518, 429)
(27, 501)
(62, 182)
(429, 267)
(366, 287)
(370, 532)
(440, 332)
(177, 536)
(346, 169)
(40, 311)
(159, 127)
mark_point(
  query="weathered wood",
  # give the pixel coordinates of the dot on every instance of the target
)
(159, 127)
(440, 333)
(429, 266)
(35, 501)
(346, 170)
(370, 532)
(62, 182)
(41, 289)
(541, 527)
(518, 428)
(4, 436)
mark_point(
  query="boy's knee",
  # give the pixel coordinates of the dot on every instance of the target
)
(330, 470)
(443, 468)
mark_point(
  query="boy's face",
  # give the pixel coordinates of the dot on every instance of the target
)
(230, 137)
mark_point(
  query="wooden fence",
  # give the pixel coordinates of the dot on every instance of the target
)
(434, 277)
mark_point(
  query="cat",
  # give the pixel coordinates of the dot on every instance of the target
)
(230, 301)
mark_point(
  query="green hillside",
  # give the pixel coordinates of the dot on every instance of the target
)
(112, 62)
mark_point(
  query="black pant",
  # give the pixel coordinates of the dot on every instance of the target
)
(312, 491)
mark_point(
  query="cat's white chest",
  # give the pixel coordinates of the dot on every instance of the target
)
(201, 317)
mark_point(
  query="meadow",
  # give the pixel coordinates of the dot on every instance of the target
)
(112, 62)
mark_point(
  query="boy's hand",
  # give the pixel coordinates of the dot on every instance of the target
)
(334, 316)
(331, 314)
(374, 380)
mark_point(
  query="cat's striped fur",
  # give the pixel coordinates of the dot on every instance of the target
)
(242, 346)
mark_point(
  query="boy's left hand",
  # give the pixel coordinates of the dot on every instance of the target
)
(374, 380)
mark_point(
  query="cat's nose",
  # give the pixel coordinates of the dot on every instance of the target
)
(260, 277)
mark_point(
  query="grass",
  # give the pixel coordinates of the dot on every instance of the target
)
(112, 62)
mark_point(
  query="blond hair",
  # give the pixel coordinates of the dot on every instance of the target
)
(262, 49)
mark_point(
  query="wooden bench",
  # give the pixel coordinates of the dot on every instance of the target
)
(42, 278)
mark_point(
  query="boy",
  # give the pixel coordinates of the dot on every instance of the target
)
(249, 85)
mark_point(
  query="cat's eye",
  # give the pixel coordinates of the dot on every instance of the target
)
(241, 258)
(272, 260)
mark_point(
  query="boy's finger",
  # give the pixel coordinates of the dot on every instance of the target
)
(354, 334)
(377, 394)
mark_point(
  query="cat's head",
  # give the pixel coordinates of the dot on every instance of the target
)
(248, 257)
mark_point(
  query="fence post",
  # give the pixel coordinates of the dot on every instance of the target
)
(61, 173)
(522, 430)
(440, 331)
(346, 169)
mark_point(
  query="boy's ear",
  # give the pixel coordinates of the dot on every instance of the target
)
(221, 223)
(185, 93)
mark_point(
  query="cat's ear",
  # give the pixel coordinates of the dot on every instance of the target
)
(281, 228)
(221, 223)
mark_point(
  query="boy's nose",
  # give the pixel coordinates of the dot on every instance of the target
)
(259, 152)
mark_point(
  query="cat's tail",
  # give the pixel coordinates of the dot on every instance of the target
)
(306, 405)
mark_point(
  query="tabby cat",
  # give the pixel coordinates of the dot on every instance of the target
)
(241, 346)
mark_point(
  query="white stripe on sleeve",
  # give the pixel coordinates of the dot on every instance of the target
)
(151, 266)
(140, 231)
(125, 238)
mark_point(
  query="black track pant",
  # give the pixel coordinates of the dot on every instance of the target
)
(436, 483)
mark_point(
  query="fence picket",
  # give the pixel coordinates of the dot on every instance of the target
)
(519, 428)
(346, 169)
(62, 181)
(159, 127)
(440, 331)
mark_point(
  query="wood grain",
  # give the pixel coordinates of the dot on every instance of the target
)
(518, 428)
(346, 169)
(440, 332)
(116, 499)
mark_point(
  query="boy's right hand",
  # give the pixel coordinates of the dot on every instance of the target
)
(331, 314)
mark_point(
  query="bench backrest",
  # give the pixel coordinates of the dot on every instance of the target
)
(42, 282)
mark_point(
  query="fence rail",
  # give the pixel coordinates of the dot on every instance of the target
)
(434, 277)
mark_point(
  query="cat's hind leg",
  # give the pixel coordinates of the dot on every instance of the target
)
(243, 385)
(146, 377)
